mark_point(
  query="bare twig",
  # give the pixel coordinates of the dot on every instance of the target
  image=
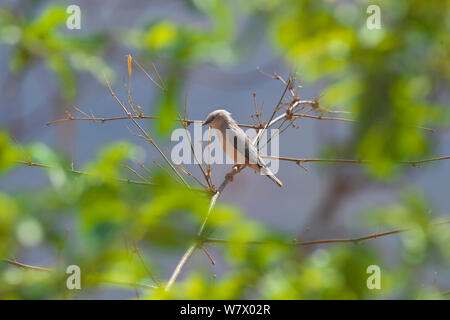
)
(101, 280)
(183, 122)
(82, 173)
(208, 255)
(326, 241)
(25, 266)
(141, 259)
(300, 161)
(135, 173)
(106, 119)
(190, 251)
(184, 259)
(161, 86)
(271, 120)
(128, 284)
(192, 176)
(149, 139)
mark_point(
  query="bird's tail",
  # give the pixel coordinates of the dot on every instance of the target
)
(266, 171)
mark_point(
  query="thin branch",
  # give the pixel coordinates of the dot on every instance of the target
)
(271, 120)
(169, 173)
(105, 119)
(128, 284)
(192, 176)
(316, 242)
(161, 86)
(150, 273)
(41, 269)
(135, 173)
(143, 167)
(98, 120)
(184, 259)
(228, 178)
(183, 122)
(199, 244)
(101, 120)
(208, 255)
(149, 139)
(304, 115)
(190, 251)
(159, 77)
(25, 266)
(321, 117)
(82, 173)
(300, 161)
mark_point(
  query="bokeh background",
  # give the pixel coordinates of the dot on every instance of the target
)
(392, 80)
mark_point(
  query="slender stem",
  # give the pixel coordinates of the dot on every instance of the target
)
(128, 283)
(192, 248)
(272, 120)
(141, 258)
(187, 255)
(184, 259)
(104, 119)
(316, 242)
(25, 266)
(145, 133)
(304, 115)
(82, 173)
(300, 160)
(101, 280)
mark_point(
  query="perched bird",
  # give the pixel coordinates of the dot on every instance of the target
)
(236, 144)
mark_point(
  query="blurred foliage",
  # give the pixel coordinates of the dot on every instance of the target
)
(39, 39)
(392, 79)
(186, 45)
(93, 221)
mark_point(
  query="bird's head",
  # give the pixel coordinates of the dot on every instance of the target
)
(217, 118)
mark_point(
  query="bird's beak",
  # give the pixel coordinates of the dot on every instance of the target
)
(206, 123)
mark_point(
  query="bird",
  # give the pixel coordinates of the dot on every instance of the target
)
(236, 143)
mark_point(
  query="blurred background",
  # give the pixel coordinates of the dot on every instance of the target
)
(71, 208)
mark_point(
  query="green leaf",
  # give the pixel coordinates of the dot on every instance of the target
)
(167, 107)
(110, 158)
(8, 152)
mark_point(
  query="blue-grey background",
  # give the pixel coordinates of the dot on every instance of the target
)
(304, 202)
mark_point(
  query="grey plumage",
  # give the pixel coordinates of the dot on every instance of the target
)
(236, 144)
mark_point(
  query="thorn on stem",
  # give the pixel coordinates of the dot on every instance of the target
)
(208, 255)
(299, 163)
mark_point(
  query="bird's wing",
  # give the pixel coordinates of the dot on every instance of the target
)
(245, 148)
